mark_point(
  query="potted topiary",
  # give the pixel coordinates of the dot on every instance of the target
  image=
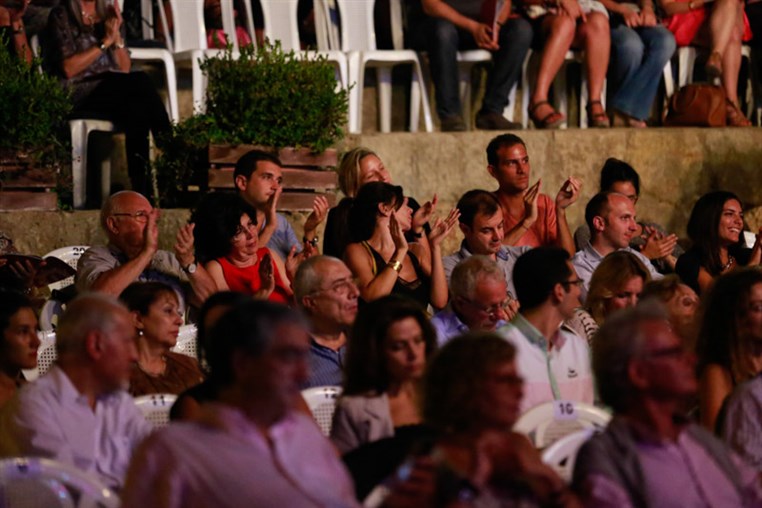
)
(266, 97)
(33, 141)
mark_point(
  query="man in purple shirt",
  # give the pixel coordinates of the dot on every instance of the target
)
(649, 455)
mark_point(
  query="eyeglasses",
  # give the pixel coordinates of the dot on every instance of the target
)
(576, 282)
(140, 216)
(341, 287)
(493, 310)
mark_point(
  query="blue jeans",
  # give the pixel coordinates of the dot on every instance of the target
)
(638, 57)
(442, 40)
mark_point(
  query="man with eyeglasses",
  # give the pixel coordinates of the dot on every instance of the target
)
(481, 221)
(326, 291)
(479, 300)
(611, 219)
(553, 360)
(650, 454)
(133, 254)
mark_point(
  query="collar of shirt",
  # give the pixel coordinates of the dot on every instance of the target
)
(534, 336)
(68, 393)
(645, 434)
(465, 253)
(234, 422)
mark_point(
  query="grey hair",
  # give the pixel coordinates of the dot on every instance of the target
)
(309, 277)
(618, 341)
(110, 205)
(87, 312)
(469, 272)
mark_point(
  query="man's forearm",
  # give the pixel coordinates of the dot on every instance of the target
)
(117, 279)
(439, 9)
(565, 239)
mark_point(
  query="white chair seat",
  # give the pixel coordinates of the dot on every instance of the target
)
(562, 454)
(156, 407)
(322, 402)
(543, 428)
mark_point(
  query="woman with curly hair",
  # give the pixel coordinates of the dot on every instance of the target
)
(226, 240)
(729, 344)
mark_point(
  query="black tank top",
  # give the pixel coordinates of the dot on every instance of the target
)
(418, 289)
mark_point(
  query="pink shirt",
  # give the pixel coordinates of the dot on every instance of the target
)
(544, 231)
(228, 462)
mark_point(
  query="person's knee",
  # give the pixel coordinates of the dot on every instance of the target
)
(517, 33)
(562, 28)
(443, 33)
(627, 45)
(598, 26)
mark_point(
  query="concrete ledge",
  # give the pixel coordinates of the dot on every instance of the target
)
(676, 167)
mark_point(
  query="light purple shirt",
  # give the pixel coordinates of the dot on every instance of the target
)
(50, 418)
(227, 462)
(678, 475)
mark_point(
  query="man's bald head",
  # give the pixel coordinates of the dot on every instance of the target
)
(122, 202)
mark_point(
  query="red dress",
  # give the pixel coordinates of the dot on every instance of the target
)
(685, 25)
(246, 280)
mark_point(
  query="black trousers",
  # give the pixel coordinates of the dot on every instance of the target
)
(130, 101)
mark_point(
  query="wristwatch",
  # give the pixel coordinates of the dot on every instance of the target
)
(190, 269)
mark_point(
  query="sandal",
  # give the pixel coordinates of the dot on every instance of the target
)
(619, 119)
(552, 120)
(713, 66)
(735, 117)
(597, 120)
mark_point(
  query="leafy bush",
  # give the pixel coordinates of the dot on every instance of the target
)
(32, 109)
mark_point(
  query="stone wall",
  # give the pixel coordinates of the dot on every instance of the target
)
(676, 167)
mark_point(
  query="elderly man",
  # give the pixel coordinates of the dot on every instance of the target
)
(650, 455)
(483, 227)
(132, 253)
(554, 361)
(479, 300)
(251, 447)
(258, 176)
(325, 290)
(611, 219)
(531, 218)
(79, 412)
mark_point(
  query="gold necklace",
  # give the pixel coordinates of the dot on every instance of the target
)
(89, 17)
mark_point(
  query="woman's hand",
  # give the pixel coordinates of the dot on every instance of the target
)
(631, 18)
(423, 214)
(266, 278)
(319, 211)
(442, 228)
(400, 244)
(572, 9)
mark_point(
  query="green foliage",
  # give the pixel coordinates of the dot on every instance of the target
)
(274, 98)
(32, 109)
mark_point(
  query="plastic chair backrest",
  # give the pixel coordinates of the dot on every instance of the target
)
(543, 428)
(186, 341)
(327, 25)
(281, 23)
(155, 407)
(358, 32)
(188, 24)
(70, 255)
(322, 402)
(71, 486)
(46, 355)
(562, 454)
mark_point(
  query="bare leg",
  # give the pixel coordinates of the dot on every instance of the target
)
(560, 33)
(723, 20)
(595, 36)
(731, 57)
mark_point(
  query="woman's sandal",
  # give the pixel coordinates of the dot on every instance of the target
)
(598, 120)
(735, 118)
(713, 66)
(552, 120)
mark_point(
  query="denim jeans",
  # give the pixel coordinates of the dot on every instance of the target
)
(638, 57)
(442, 42)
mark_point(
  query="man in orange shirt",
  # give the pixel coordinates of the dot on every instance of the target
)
(531, 218)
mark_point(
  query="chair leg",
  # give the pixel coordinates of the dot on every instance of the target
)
(78, 163)
(526, 88)
(384, 77)
(199, 87)
(356, 70)
(415, 105)
(171, 76)
(424, 96)
(464, 85)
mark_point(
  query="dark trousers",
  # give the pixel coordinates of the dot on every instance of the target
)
(130, 101)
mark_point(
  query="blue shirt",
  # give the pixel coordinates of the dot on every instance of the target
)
(283, 238)
(326, 365)
(448, 325)
(505, 258)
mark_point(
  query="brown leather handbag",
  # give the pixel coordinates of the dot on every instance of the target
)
(697, 105)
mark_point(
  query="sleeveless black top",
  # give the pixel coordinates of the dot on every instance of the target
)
(418, 289)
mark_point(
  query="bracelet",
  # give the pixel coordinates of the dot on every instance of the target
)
(524, 226)
(119, 45)
(18, 31)
(312, 242)
(395, 265)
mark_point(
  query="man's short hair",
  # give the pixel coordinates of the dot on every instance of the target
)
(598, 206)
(109, 206)
(476, 202)
(618, 341)
(247, 164)
(469, 272)
(308, 277)
(84, 314)
(248, 327)
(498, 142)
(537, 272)
(615, 170)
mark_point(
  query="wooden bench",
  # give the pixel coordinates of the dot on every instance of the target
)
(24, 186)
(305, 175)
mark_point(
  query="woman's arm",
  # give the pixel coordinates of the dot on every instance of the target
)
(440, 230)
(13, 19)
(715, 385)
(672, 7)
(281, 269)
(214, 269)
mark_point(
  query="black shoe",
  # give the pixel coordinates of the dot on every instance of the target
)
(491, 121)
(453, 123)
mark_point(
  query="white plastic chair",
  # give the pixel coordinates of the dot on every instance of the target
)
(27, 482)
(80, 132)
(562, 454)
(70, 255)
(322, 402)
(188, 42)
(161, 55)
(186, 341)
(358, 40)
(51, 311)
(46, 355)
(155, 407)
(281, 24)
(543, 428)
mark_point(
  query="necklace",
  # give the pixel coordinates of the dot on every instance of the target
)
(89, 17)
(731, 262)
(156, 372)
